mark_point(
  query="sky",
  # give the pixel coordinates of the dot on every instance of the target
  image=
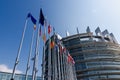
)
(63, 15)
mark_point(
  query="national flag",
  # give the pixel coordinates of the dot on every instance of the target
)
(60, 48)
(64, 49)
(70, 59)
(49, 29)
(34, 27)
(29, 15)
(52, 44)
(41, 18)
(73, 61)
(40, 32)
(44, 37)
(32, 19)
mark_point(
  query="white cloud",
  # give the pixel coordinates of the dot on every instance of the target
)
(4, 68)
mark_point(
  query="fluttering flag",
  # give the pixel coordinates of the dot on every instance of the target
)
(32, 19)
(44, 37)
(52, 44)
(41, 18)
(49, 29)
(40, 32)
(64, 49)
(34, 27)
(29, 15)
(70, 59)
(60, 48)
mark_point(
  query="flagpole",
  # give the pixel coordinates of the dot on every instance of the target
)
(49, 60)
(35, 58)
(43, 67)
(19, 51)
(38, 40)
(43, 56)
(29, 57)
(59, 63)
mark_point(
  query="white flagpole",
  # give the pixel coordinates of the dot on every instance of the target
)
(49, 60)
(38, 40)
(59, 64)
(43, 62)
(29, 57)
(35, 58)
(19, 51)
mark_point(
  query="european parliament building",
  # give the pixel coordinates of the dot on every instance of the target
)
(97, 57)
(7, 76)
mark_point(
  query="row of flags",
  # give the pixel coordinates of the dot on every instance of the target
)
(43, 22)
(57, 44)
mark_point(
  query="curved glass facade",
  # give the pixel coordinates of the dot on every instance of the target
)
(96, 57)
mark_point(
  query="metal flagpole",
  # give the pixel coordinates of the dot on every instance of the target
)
(43, 62)
(52, 61)
(35, 58)
(61, 66)
(29, 57)
(59, 63)
(49, 60)
(38, 40)
(19, 51)
(56, 72)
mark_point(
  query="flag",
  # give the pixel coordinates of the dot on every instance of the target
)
(60, 48)
(49, 29)
(32, 19)
(52, 44)
(29, 15)
(34, 27)
(41, 18)
(44, 37)
(40, 32)
(70, 59)
(64, 49)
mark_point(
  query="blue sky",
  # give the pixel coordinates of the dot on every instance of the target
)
(63, 15)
